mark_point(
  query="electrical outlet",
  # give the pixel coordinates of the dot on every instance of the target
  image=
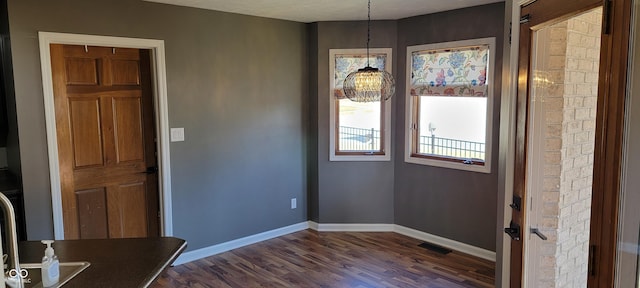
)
(177, 134)
(294, 203)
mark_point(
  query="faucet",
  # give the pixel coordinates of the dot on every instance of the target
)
(15, 275)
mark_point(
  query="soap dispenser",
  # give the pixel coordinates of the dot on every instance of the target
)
(50, 266)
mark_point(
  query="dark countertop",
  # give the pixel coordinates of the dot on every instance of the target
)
(118, 263)
(8, 182)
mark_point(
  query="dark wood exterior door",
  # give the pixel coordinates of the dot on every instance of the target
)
(106, 151)
(535, 15)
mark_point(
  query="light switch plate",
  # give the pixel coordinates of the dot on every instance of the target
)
(177, 134)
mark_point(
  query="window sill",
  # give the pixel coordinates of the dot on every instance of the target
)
(338, 158)
(486, 168)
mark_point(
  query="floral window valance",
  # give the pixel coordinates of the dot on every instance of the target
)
(450, 72)
(345, 64)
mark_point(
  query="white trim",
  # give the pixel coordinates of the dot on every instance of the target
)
(506, 153)
(434, 239)
(332, 107)
(492, 75)
(525, 2)
(334, 227)
(448, 243)
(312, 226)
(160, 102)
(337, 227)
(234, 244)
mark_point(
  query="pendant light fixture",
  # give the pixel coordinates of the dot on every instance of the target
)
(369, 84)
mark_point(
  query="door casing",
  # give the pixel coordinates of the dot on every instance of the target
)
(160, 108)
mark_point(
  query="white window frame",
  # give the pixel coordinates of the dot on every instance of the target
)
(386, 123)
(408, 157)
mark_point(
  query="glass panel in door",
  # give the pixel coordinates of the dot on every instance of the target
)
(563, 73)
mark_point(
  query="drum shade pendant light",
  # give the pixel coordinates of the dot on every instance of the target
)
(369, 84)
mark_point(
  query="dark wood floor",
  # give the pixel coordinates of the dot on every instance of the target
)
(333, 259)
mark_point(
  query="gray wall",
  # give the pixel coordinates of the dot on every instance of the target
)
(237, 84)
(254, 140)
(350, 192)
(454, 204)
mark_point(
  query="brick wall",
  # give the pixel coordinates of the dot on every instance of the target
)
(553, 104)
(572, 60)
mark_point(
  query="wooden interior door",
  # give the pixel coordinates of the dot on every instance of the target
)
(106, 151)
(535, 15)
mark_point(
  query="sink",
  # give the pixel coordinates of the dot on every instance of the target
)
(68, 270)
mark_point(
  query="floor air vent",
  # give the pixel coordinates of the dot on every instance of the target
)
(435, 248)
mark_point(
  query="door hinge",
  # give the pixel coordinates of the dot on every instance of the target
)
(592, 260)
(525, 19)
(606, 17)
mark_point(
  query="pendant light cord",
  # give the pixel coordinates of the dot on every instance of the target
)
(368, 30)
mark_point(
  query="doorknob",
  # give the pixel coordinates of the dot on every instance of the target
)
(537, 232)
(513, 231)
(151, 170)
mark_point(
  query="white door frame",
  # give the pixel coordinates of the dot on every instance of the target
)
(507, 143)
(161, 117)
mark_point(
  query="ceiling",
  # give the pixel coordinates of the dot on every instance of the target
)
(329, 10)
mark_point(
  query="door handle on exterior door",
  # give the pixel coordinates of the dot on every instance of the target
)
(513, 231)
(537, 232)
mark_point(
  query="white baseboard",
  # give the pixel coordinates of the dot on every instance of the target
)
(335, 227)
(448, 243)
(313, 225)
(440, 241)
(234, 244)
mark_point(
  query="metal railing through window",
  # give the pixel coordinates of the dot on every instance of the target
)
(433, 145)
(361, 139)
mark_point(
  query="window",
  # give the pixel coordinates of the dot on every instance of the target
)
(358, 131)
(449, 109)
